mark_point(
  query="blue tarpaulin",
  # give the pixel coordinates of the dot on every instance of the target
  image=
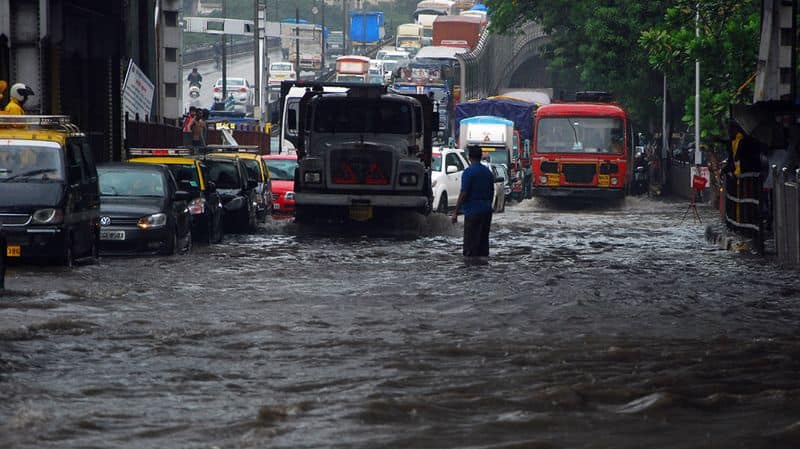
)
(519, 112)
(374, 22)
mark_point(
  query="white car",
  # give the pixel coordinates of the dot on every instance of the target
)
(241, 90)
(447, 167)
(279, 72)
(500, 173)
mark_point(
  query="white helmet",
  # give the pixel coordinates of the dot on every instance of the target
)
(20, 92)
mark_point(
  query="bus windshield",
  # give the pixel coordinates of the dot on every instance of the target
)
(579, 135)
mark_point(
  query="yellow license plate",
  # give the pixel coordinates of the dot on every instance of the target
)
(603, 180)
(360, 213)
(553, 179)
(13, 251)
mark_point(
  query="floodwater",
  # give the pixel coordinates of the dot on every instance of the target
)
(590, 328)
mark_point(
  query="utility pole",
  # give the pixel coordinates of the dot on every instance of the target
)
(323, 64)
(345, 34)
(223, 40)
(297, 42)
(256, 60)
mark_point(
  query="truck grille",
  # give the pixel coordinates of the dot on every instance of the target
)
(579, 173)
(14, 219)
(361, 167)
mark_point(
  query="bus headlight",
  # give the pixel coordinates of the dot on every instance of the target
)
(542, 179)
(614, 181)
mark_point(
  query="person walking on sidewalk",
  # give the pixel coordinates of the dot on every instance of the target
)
(477, 191)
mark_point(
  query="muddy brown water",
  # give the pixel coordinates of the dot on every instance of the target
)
(590, 328)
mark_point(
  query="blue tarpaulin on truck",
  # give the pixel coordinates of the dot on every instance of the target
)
(372, 29)
(519, 112)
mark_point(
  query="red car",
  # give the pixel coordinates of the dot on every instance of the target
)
(281, 168)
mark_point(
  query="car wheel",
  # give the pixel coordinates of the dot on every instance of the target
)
(67, 256)
(172, 243)
(219, 229)
(442, 204)
(188, 247)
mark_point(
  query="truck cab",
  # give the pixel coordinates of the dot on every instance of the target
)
(495, 136)
(362, 154)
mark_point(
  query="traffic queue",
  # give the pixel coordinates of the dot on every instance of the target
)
(57, 205)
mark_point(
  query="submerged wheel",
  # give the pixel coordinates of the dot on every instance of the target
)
(67, 256)
(442, 204)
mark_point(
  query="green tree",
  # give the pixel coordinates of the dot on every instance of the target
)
(594, 46)
(726, 49)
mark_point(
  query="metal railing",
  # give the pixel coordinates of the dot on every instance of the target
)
(494, 60)
(743, 196)
(786, 215)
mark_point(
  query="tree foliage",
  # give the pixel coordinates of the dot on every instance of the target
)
(625, 46)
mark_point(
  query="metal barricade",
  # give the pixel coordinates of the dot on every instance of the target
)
(786, 213)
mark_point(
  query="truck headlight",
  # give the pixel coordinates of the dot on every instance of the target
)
(614, 181)
(153, 221)
(408, 179)
(312, 177)
(47, 216)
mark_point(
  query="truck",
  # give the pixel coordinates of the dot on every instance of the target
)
(363, 154)
(456, 31)
(427, 11)
(428, 78)
(409, 37)
(310, 37)
(495, 136)
(366, 29)
(521, 113)
(335, 44)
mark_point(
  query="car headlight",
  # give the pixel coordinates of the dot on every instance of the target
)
(312, 177)
(153, 221)
(47, 216)
(408, 179)
(289, 196)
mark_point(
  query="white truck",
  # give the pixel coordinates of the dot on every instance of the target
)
(409, 37)
(310, 37)
(495, 136)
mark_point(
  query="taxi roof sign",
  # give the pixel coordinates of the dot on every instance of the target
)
(40, 121)
(159, 152)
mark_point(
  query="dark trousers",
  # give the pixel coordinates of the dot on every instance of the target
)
(476, 234)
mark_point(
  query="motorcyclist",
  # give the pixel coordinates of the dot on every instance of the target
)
(19, 94)
(194, 78)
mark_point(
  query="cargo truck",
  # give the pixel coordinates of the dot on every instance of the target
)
(456, 31)
(310, 37)
(366, 29)
(363, 154)
(409, 38)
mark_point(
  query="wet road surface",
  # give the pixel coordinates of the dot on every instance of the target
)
(597, 328)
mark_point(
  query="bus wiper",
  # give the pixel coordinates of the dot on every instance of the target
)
(577, 145)
(38, 171)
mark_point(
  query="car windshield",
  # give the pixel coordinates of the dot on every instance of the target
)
(436, 162)
(223, 173)
(253, 170)
(579, 135)
(282, 169)
(128, 182)
(389, 65)
(349, 115)
(22, 163)
(185, 173)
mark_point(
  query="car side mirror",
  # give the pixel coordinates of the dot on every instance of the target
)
(211, 186)
(252, 184)
(182, 195)
(451, 169)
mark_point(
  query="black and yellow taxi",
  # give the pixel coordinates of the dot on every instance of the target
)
(49, 194)
(257, 170)
(191, 175)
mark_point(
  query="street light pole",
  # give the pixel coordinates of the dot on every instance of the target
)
(698, 157)
(256, 60)
(224, 95)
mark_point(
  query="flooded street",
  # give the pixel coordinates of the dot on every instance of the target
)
(597, 328)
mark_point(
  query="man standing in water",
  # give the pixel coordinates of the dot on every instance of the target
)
(477, 191)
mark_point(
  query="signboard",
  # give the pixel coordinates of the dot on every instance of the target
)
(137, 93)
(702, 173)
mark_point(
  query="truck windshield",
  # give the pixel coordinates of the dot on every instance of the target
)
(408, 42)
(22, 163)
(495, 155)
(351, 115)
(579, 135)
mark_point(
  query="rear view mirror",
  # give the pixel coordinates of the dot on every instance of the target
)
(451, 169)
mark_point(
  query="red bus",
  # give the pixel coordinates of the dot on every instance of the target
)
(582, 150)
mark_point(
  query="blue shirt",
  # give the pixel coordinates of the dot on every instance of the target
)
(478, 183)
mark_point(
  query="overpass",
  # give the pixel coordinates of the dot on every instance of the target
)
(504, 61)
